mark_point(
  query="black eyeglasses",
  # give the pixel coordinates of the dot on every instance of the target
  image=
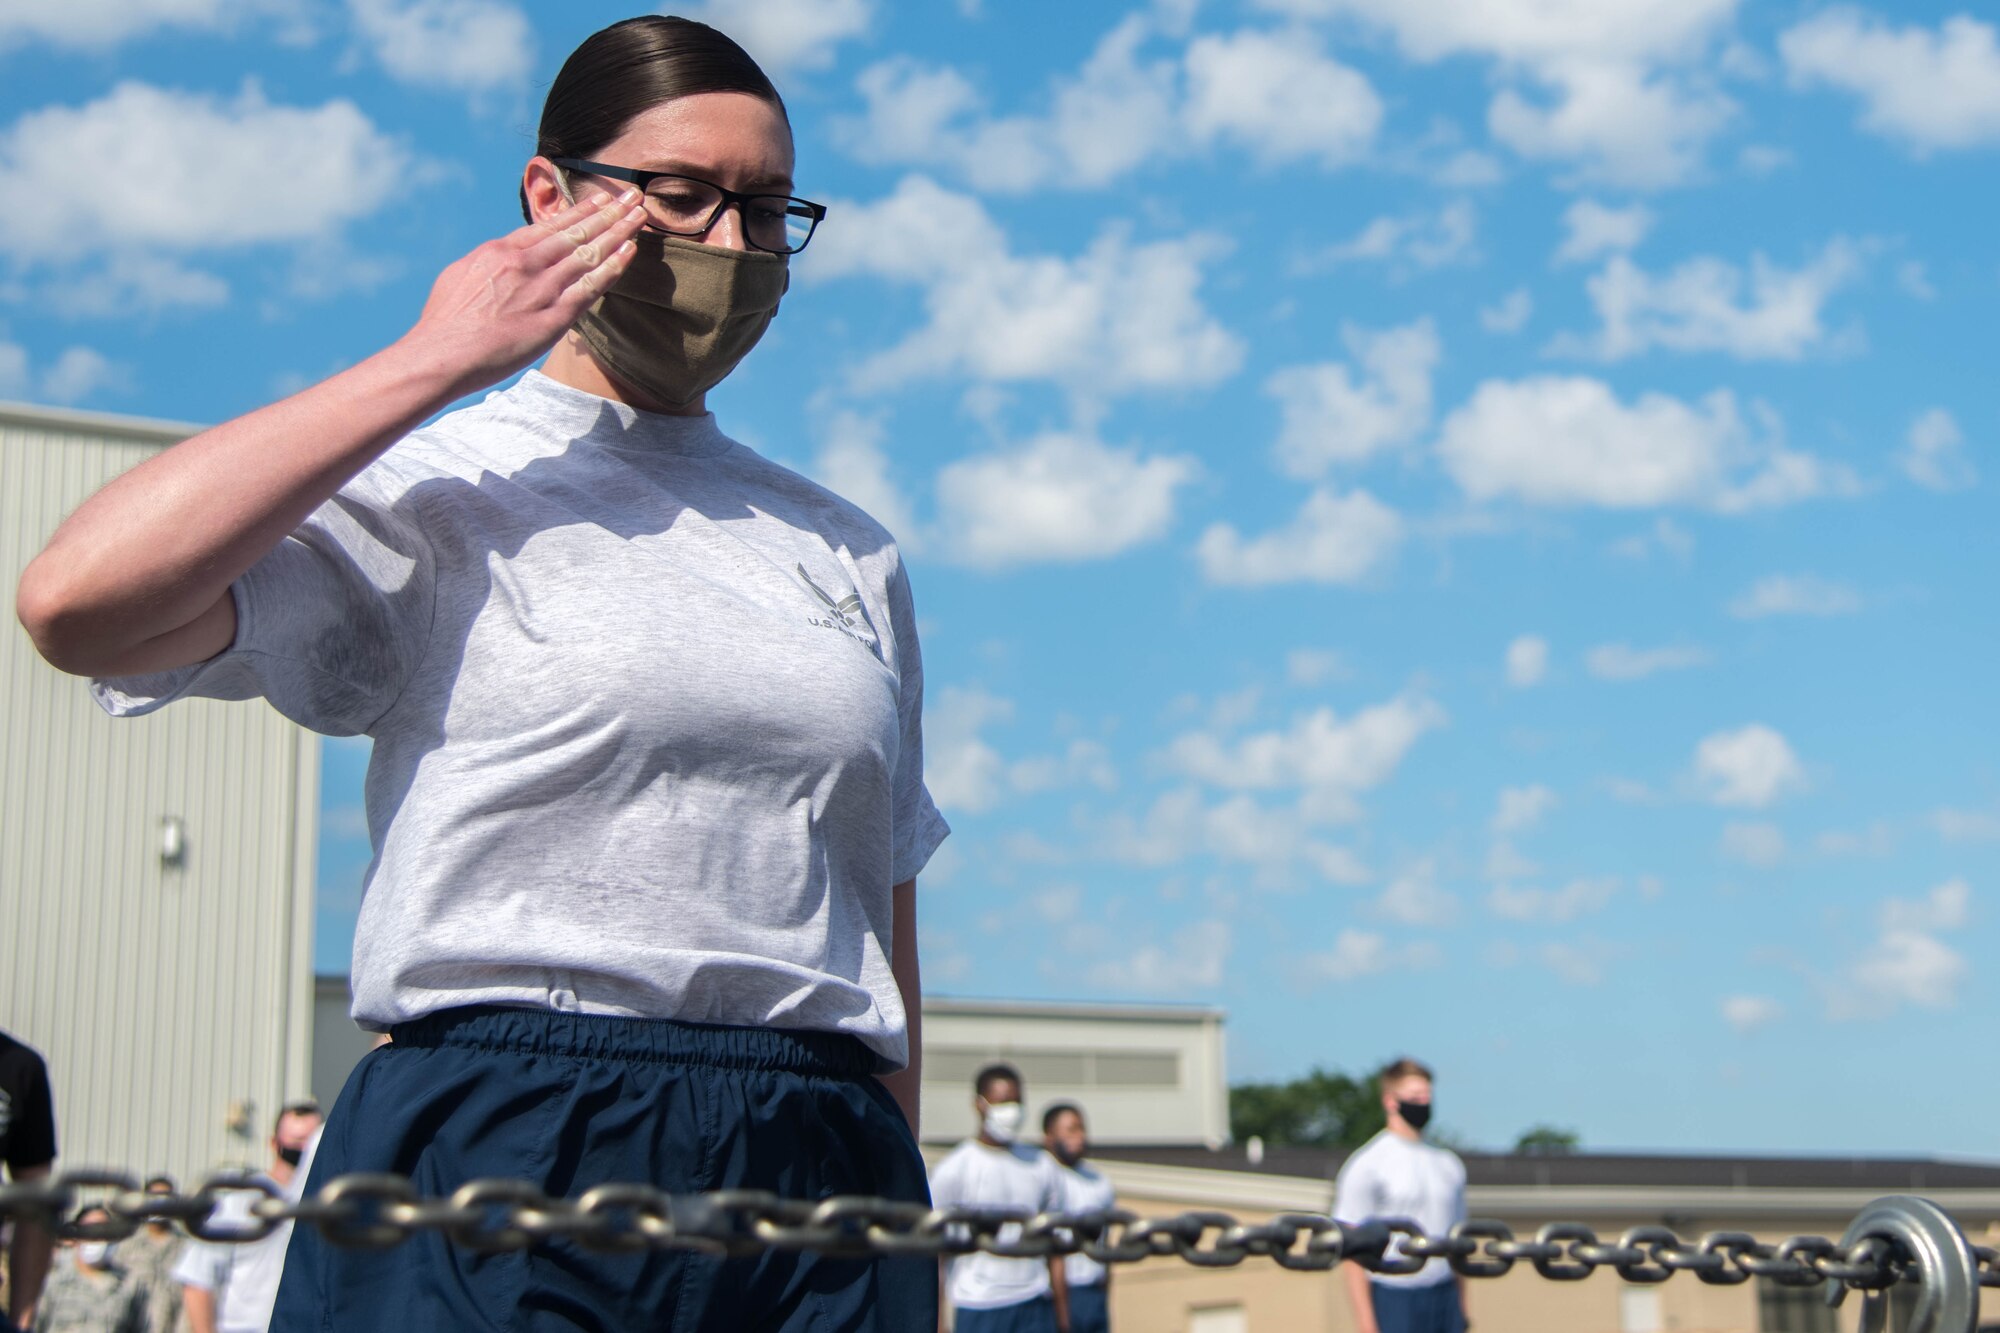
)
(687, 206)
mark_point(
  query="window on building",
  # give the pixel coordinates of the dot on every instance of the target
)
(1639, 1310)
(1045, 1067)
(1793, 1309)
(1218, 1319)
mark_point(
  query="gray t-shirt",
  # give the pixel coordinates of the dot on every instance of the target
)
(646, 711)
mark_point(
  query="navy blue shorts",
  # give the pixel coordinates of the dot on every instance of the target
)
(1429, 1309)
(1090, 1309)
(569, 1101)
(1035, 1316)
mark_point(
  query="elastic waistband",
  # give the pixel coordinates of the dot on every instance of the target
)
(613, 1037)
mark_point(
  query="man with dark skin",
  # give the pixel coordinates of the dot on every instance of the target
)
(990, 1293)
(28, 1150)
(1082, 1285)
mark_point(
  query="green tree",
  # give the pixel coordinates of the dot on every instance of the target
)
(1547, 1140)
(1325, 1109)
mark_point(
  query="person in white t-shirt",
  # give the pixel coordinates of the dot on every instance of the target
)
(229, 1287)
(1084, 1283)
(1397, 1174)
(994, 1169)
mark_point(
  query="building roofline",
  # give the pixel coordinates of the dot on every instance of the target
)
(103, 423)
(960, 1004)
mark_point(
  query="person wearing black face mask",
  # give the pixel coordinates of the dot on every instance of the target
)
(1397, 1174)
(231, 1288)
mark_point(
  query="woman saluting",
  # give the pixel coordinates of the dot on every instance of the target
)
(646, 793)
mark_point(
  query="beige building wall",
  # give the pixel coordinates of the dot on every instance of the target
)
(173, 1002)
(1170, 1296)
(1142, 1073)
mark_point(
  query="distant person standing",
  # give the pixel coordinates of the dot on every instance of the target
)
(150, 1254)
(87, 1292)
(993, 1169)
(28, 1149)
(231, 1287)
(1397, 1174)
(1084, 1282)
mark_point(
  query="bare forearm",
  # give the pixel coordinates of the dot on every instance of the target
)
(137, 578)
(152, 554)
(198, 1304)
(1360, 1297)
(904, 1084)
(27, 1260)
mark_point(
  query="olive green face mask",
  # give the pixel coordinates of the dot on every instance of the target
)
(682, 314)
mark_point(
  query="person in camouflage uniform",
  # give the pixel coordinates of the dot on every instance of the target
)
(86, 1294)
(149, 1255)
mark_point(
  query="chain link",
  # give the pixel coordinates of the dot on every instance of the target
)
(375, 1211)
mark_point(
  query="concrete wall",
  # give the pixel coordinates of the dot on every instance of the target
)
(172, 1002)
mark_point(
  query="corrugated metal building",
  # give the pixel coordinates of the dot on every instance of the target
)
(156, 875)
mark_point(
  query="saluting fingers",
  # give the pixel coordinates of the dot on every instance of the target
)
(557, 237)
(595, 280)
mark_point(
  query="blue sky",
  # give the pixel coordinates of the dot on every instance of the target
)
(1437, 528)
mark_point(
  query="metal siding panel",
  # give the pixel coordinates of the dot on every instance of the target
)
(158, 995)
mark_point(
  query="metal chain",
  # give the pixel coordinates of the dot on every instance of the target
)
(378, 1211)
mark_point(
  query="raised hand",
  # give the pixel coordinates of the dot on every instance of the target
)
(507, 302)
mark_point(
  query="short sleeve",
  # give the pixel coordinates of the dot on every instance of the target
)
(946, 1187)
(918, 827)
(28, 1129)
(329, 625)
(203, 1264)
(1353, 1192)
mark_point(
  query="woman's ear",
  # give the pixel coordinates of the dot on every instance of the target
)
(544, 192)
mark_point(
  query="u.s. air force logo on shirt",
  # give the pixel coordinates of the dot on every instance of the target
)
(845, 614)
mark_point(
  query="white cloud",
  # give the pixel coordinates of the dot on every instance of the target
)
(1914, 282)
(135, 283)
(1081, 763)
(1966, 825)
(1505, 863)
(332, 155)
(1527, 661)
(1114, 113)
(1747, 1013)
(1750, 767)
(1929, 88)
(1621, 110)
(1705, 305)
(1621, 661)
(1058, 904)
(1060, 497)
(963, 772)
(100, 24)
(1362, 953)
(1314, 666)
(1794, 595)
(1330, 757)
(77, 373)
(1334, 539)
(785, 35)
(1901, 967)
(1123, 317)
(1194, 960)
(1521, 808)
(1933, 454)
(468, 46)
(1409, 241)
(1946, 907)
(1665, 535)
(1332, 416)
(1580, 964)
(1754, 844)
(1567, 440)
(1510, 314)
(1579, 897)
(1616, 121)
(1414, 899)
(853, 464)
(1277, 96)
(1594, 230)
